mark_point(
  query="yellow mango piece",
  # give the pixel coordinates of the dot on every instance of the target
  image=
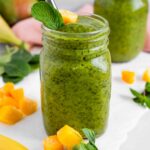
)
(146, 75)
(18, 94)
(68, 16)
(2, 93)
(6, 100)
(128, 77)
(69, 137)
(28, 106)
(9, 144)
(10, 115)
(52, 143)
(8, 87)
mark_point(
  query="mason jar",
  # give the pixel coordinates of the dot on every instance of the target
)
(75, 73)
(127, 19)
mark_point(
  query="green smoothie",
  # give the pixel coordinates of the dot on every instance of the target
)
(76, 75)
(127, 19)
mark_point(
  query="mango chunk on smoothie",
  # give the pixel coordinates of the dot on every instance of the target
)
(52, 143)
(28, 106)
(9, 144)
(69, 137)
(146, 75)
(68, 16)
(128, 77)
(10, 115)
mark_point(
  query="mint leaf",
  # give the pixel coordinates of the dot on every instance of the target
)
(48, 15)
(81, 146)
(91, 146)
(140, 98)
(84, 146)
(2, 70)
(22, 54)
(89, 134)
(17, 68)
(147, 87)
(35, 59)
(7, 78)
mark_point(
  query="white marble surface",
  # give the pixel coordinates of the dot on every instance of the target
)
(125, 115)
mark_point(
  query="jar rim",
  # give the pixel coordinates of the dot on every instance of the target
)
(103, 29)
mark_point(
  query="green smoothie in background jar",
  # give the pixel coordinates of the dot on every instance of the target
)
(75, 69)
(127, 19)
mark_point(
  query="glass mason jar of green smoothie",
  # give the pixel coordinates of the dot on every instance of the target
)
(76, 75)
(127, 19)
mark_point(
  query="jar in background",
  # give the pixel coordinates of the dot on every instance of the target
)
(127, 19)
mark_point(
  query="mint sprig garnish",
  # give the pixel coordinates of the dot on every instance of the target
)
(142, 98)
(90, 135)
(48, 15)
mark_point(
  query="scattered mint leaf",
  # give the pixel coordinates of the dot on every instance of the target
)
(17, 68)
(89, 134)
(22, 54)
(147, 87)
(81, 146)
(6, 56)
(16, 63)
(91, 146)
(140, 98)
(35, 59)
(2, 70)
(7, 78)
(48, 15)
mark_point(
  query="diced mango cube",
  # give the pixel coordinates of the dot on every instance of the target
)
(146, 75)
(28, 106)
(128, 77)
(8, 87)
(52, 143)
(68, 16)
(10, 115)
(2, 93)
(18, 94)
(6, 100)
(69, 137)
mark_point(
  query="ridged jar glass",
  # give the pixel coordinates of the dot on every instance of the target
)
(76, 78)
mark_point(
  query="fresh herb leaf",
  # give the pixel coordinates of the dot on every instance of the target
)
(140, 98)
(22, 54)
(34, 62)
(91, 146)
(89, 134)
(81, 146)
(17, 68)
(7, 78)
(6, 56)
(35, 59)
(48, 15)
(147, 87)
(2, 70)
(16, 63)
